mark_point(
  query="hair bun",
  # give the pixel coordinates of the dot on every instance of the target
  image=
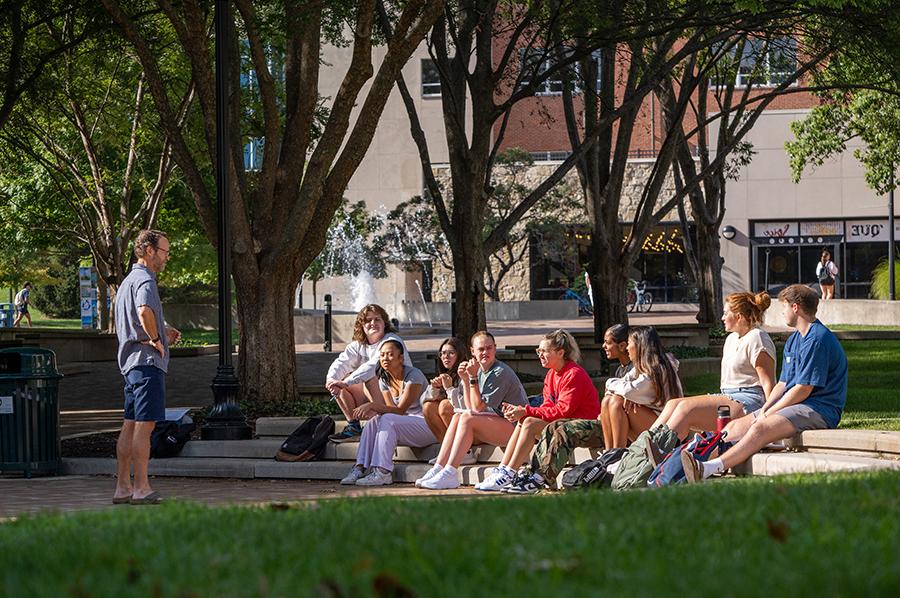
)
(762, 301)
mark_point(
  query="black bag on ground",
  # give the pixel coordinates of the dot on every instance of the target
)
(169, 437)
(308, 441)
(592, 473)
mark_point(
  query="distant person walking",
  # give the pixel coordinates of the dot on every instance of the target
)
(826, 272)
(21, 302)
(144, 341)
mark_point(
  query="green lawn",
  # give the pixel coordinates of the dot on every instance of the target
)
(861, 327)
(815, 536)
(872, 398)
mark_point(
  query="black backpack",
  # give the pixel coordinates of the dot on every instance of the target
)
(169, 437)
(308, 441)
(593, 473)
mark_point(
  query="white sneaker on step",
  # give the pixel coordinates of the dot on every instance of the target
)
(355, 474)
(376, 478)
(436, 469)
(496, 481)
(443, 480)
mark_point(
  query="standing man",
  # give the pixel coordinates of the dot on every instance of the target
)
(810, 395)
(144, 343)
(21, 302)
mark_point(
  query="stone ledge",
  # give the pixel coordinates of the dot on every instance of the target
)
(874, 443)
(770, 464)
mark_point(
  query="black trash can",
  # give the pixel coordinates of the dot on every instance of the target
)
(29, 410)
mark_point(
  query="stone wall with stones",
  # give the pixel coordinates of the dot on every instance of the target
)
(516, 285)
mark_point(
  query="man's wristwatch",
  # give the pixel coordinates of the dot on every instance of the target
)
(154, 340)
(473, 381)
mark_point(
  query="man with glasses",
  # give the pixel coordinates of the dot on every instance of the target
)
(143, 357)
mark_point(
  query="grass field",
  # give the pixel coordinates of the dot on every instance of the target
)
(814, 536)
(872, 398)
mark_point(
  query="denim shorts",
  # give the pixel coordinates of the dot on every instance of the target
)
(752, 397)
(145, 394)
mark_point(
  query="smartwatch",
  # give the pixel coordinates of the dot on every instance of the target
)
(154, 340)
(473, 381)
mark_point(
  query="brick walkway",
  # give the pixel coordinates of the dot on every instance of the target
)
(19, 496)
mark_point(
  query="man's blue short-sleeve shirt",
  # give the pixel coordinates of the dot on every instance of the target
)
(817, 360)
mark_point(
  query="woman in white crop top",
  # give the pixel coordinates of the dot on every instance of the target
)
(748, 369)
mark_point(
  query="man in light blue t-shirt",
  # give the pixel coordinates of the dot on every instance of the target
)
(143, 357)
(810, 394)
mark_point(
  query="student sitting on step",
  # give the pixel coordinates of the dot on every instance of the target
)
(632, 403)
(748, 372)
(487, 384)
(568, 393)
(810, 394)
(444, 395)
(351, 378)
(560, 438)
(394, 420)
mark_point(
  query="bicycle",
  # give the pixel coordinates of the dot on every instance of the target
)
(638, 297)
(584, 305)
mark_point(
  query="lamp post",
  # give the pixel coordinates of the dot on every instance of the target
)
(225, 421)
(891, 284)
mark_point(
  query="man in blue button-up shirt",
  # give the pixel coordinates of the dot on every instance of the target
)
(143, 359)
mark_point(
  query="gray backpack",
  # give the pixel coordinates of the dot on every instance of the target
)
(634, 468)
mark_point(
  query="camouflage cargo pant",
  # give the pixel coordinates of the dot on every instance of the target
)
(557, 443)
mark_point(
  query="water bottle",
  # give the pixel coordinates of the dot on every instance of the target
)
(723, 416)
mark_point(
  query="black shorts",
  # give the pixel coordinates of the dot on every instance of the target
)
(22, 309)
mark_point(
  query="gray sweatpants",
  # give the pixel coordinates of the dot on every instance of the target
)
(383, 433)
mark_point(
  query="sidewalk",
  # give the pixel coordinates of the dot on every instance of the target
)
(19, 496)
(90, 395)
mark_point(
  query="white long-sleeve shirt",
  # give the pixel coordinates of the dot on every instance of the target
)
(357, 362)
(637, 388)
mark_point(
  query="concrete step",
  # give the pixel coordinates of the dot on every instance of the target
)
(771, 464)
(265, 448)
(864, 443)
(260, 468)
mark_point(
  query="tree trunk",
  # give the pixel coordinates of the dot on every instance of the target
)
(709, 273)
(265, 307)
(608, 284)
(469, 271)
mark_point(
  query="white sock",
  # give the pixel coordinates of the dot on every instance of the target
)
(448, 470)
(712, 466)
(506, 469)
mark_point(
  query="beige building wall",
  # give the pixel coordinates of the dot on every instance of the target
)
(765, 191)
(390, 173)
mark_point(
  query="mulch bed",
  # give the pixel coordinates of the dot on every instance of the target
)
(95, 445)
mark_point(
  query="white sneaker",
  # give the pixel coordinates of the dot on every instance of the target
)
(355, 473)
(443, 480)
(430, 474)
(376, 478)
(496, 481)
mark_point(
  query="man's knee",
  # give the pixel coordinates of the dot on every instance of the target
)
(531, 423)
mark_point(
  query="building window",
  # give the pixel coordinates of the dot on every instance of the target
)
(536, 61)
(253, 153)
(764, 63)
(431, 79)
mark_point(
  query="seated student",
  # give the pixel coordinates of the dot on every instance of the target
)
(351, 378)
(396, 419)
(632, 403)
(487, 384)
(560, 439)
(568, 393)
(443, 395)
(810, 394)
(748, 370)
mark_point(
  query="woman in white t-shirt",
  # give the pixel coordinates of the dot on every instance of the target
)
(394, 419)
(748, 369)
(351, 378)
(826, 272)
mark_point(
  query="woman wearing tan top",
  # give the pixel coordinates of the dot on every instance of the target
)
(748, 369)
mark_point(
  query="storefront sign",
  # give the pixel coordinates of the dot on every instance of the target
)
(6, 406)
(822, 228)
(864, 231)
(775, 229)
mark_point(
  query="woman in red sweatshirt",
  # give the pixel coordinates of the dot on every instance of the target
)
(568, 393)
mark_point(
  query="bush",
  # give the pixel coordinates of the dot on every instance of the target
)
(61, 298)
(880, 280)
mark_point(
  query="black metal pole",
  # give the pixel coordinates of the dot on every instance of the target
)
(327, 345)
(225, 420)
(891, 256)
